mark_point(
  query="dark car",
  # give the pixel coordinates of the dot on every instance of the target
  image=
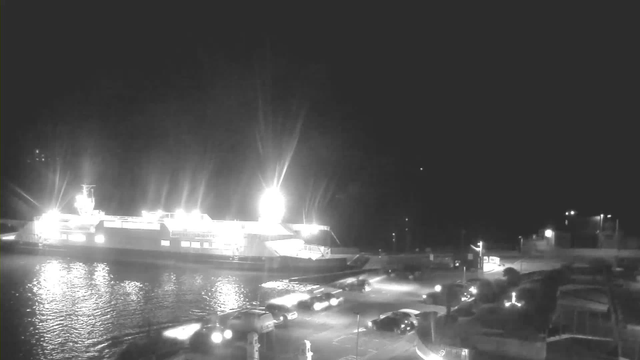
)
(320, 302)
(281, 313)
(464, 292)
(360, 285)
(333, 299)
(400, 322)
(407, 272)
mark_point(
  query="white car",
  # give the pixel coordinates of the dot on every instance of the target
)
(256, 320)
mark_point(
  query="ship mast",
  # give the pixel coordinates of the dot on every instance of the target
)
(85, 201)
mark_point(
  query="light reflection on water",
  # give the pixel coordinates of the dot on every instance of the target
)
(55, 308)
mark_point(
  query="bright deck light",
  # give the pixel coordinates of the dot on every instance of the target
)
(272, 206)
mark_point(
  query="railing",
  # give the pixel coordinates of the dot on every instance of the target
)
(582, 323)
(322, 251)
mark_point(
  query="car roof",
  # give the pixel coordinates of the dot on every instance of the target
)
(253, 311)
(410, 311)
(276, 305)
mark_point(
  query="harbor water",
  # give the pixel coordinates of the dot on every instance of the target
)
(59, 308)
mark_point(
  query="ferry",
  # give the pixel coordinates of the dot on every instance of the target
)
(158, 236)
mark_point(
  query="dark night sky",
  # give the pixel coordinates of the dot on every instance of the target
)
(516, 115)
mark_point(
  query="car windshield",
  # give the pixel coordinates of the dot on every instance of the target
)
(273, 307)
(400, 314)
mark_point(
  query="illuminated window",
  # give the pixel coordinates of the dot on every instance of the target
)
(185, 243)
(195, 244)
(206, 245)
(165, 242)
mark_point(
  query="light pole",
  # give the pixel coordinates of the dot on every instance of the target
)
(480, 259)
(407, 236)
(551, 235)
(568, 213)
(394, 242)
(357, 333)
(521, 243)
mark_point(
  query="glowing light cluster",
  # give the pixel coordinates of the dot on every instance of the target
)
(48, 226)
(84, 203)
(272, 206)
(513, 301)
(310, 230)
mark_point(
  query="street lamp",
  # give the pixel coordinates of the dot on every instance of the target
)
(394, 242)
(479, 250)
(357, 333)
(550, 234)
(521, 243)
(568, 213)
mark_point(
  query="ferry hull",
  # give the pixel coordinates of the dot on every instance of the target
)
(281, 264)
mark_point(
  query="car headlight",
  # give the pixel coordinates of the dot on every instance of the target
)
(424, 296)
(438, 288)
(333, 302)
(182, 332)
(216, 337)
(473, 290)
(317, 306)
(99, 239)
(227, 334)
(370, 324)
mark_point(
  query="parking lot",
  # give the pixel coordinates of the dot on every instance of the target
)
(333, 332)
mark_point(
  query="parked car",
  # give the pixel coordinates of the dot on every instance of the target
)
(360, 285)
(248, 320)
(281, 313)
(333, 299)
(401, 322)
(465, 292)
(320, 302)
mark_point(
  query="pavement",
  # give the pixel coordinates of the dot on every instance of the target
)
(333, 333)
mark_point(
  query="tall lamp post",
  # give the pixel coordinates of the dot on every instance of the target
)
(394, 242)
(551, 235)
(567, 214)
(407, 235)
(480, 259)
(357, 333)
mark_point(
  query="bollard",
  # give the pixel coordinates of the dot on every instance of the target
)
(305, 351)
(464, 274)
(253, 346)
